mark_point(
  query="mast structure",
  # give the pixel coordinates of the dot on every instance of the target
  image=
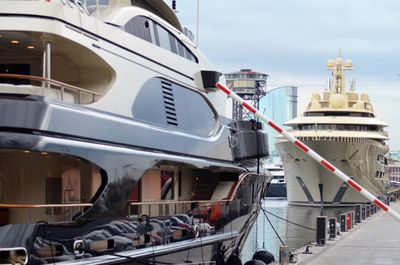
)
(338, 67)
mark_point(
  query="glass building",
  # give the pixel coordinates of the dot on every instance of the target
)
(280, 105)
(394, 154)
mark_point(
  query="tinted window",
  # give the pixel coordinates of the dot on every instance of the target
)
(153, 32)
(172, 42)
(163, 35)
(140, 27)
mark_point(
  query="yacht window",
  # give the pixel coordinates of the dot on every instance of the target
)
(140, 27)
(151, 31)
(155, 32)
(181, 49)
(164, 38)
(172, 42)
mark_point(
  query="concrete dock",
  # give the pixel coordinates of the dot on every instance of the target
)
(375, 241)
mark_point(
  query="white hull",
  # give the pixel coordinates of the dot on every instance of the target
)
(356, 159)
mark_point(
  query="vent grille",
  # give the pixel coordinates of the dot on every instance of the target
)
(169, 103)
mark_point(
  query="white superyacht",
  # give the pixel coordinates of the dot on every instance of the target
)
(114, 144)
(343, 128)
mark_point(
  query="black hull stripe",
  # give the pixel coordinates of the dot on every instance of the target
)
(229, 163)
(305, 189)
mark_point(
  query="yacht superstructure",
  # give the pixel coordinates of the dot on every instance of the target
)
(277, 187)
(343, 128)
(113, 142)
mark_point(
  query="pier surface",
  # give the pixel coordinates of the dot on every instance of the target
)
(375, 241)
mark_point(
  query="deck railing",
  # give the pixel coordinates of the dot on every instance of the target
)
(31, 207)
(54, 84)
(170, 207)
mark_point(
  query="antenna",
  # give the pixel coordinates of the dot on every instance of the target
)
(198, 18)
(174, 6)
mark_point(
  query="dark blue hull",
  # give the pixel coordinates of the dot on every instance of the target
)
(276, 190)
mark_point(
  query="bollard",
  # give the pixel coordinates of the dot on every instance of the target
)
(367, 211)
(343, 223)
(322, 231)
(332, 228)
(283, 255)
(348, 221)
(352, 219)
(363, 212)
(358, 214)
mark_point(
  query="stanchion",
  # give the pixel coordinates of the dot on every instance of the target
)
(343, 223)
(283, 255)
(358, 213)
(322, 231)
(348, 221)
(352, 219)
(332, 228)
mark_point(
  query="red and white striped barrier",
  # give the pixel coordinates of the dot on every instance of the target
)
(311, 153)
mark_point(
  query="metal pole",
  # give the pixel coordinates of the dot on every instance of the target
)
(97, 7)
(48, 60)
(335, 171)
(321, 187)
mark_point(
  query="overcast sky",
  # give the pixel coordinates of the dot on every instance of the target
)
(291, 40)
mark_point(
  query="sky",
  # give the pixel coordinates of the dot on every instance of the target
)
(291, 41)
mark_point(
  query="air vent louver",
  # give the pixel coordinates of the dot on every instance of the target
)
(169, 104)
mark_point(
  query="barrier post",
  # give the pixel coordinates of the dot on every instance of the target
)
(332, 228)
(367, 210)
(322, 231)
(363, 216)
(343, 223)
(358, 213)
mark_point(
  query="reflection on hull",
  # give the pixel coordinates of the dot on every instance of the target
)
(108, 226)
(84, 201)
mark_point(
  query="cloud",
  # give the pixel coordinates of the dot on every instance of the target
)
(291, 41)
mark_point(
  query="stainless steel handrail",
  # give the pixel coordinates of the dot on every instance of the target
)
(174, 202)
(59, 85)
(44, 206)
(199, 203)
(33, 206)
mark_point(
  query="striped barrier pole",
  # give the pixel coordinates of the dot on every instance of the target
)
(337, 172)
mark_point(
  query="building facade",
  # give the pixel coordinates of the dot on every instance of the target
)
(280, 105)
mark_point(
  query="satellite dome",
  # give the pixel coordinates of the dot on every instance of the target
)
(337, 101)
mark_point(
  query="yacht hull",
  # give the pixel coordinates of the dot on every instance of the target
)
(108, 220)
(276, 190)
(357, 159)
